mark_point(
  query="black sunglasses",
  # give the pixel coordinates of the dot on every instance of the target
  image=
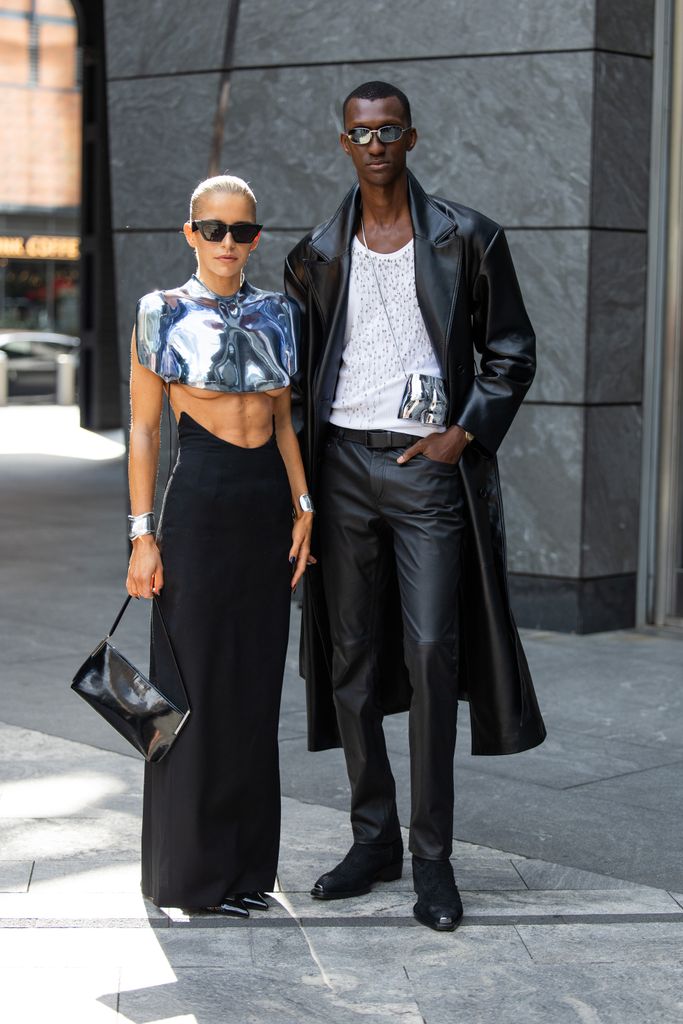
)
(216, 230)
(387, 133)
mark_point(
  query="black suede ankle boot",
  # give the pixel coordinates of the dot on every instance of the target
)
(438, 901)
(364, 864)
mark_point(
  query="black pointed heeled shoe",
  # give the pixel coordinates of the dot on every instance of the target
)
(254, 900)
(231, 906)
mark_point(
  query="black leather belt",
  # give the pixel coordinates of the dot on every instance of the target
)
(374, 438)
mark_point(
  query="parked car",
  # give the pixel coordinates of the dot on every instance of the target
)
(32, 360)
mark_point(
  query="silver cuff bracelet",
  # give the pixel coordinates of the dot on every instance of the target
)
(138, 526)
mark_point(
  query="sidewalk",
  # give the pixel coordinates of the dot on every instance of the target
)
(568, 857)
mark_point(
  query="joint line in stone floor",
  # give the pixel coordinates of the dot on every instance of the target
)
(473, 921)
(519, 936)
(622, 775)
(523, 879)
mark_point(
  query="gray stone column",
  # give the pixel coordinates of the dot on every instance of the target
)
(536, 113)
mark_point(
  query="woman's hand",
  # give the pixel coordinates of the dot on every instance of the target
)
(145, 570)
(300, 552)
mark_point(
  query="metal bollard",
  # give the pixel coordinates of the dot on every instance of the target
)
(4, 378)
(67, 365)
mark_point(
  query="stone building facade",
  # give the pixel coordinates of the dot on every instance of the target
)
(536, 113)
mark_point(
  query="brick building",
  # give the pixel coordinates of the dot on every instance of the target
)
(40, 165)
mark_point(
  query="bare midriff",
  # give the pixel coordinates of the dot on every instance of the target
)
(244, 419)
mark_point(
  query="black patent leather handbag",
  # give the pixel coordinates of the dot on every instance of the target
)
(128, 700)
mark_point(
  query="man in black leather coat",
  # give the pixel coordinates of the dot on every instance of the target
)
(408, 605)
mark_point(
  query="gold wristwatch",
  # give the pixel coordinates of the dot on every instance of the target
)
(469, 437)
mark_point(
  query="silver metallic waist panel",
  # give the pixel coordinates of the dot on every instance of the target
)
(238, 343)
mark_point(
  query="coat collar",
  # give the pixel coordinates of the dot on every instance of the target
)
(335, 237)
(438, 254)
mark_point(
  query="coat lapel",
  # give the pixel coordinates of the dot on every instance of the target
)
(328, 274)
(438, 258)
(330, 284)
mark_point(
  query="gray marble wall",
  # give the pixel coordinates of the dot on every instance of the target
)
(535, 112)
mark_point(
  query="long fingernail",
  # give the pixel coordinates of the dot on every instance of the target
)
(292, 560)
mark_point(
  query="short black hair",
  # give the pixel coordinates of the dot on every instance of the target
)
(378, 91)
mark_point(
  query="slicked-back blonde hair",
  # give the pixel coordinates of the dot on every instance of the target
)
(226, 183)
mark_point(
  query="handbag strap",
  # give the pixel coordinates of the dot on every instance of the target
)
(167, 637)
(119, 616)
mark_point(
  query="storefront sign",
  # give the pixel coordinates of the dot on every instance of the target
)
(39, 247)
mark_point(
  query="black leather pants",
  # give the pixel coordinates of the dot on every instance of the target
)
(373, 510)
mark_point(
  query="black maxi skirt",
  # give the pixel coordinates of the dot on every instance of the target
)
(211, 808)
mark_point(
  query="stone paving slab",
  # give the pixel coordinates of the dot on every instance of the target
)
(624, 686)
(384, 901)
(114, 908)
(604, 836)
(152, 947)
(305, 960)
(15, 875)
(293, 726)
(86, 875)
(29, 689)
(549, 994)
(640, 900)
(48, 638)
(652, 789)
(340, 946)
(472, 872)
(294, 994)
(578, 941)
(524, 814)
(540, 874)
(73, 777)
(59, 995)
(563, 760)
(70, 837)
(624, 943)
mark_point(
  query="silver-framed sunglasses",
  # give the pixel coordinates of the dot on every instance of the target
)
(387, 133)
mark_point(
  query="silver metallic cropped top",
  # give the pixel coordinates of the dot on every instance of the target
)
(235, 343)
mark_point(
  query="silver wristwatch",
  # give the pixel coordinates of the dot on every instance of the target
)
(306, 503)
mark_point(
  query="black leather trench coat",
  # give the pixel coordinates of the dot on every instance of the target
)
(471, 303)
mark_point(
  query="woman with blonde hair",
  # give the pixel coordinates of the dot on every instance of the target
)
(233, 540)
